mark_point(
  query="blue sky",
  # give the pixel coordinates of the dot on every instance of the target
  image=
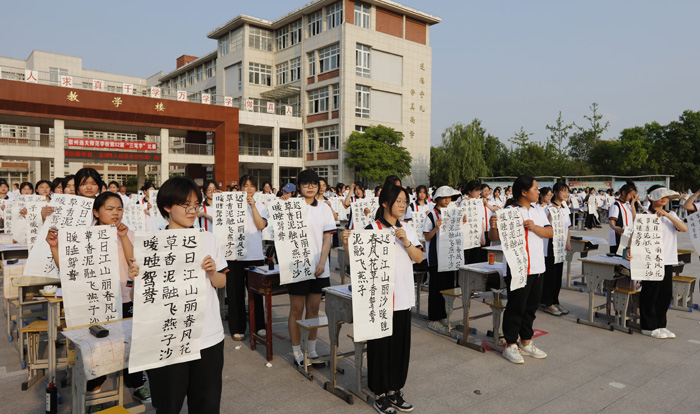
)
(507, 63)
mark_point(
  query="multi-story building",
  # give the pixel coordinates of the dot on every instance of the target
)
(305, 81)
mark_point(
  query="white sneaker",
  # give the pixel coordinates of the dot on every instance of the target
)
(262, 332)
(531, 350)
(512, 354)
(552, 310)
(656, 333)
(668, 333)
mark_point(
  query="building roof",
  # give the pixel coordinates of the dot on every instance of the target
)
(184, 68)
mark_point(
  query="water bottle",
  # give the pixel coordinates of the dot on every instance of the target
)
(51, 399)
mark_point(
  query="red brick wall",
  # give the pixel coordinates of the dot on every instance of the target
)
(389, 22)
(415, 31)
(97, 167)
(335, 114)
(330, 155)
(185, 59)
(329, 75)
(309, 157)
(310, 80)
(349, 11)
(317, 117)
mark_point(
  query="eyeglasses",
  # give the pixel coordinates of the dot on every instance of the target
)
(310, 185)
(401, 203)
(190, 209)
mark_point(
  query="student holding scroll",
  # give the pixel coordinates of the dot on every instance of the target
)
(472, 191)
(237, 278)
(205, 214)
(421, 205)
(322, 189)
(199, 380)
(691, 205)
(523, 302)
(621, 214)
(551, 285)
(68, 184)
(388, 358)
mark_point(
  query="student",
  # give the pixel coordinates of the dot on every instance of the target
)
(200, 380)
(690, 204)
(267, 188)
(206, 213)
(145, 190)
(88, 182)
(551, 285)
(289, 190)
(56, 186)
(322, 189)
(388, 358)
(438, 280)
(621, 214)
(237, 278)
(421, 204)
(356, 193)
(495, 199)
(4, 189)
(43, 187)
(307, 294)
(26, 188)
(472, 190)
(113, 187)
(656, 296)
(522, 303)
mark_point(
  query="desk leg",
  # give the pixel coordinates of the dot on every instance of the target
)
(333, 334)
(591, 321)
(268, 319)
(53, 334)
(20, 322)
(251, 316)
(464, 341)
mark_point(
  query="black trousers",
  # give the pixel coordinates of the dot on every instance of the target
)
(474, 255)
(199, 381)
(236, 288)
(590, 221)
(133, 380)
(483, 254)
(551, 285)
(654, 300)
(436, 302)
(388, 358)
(521, 308)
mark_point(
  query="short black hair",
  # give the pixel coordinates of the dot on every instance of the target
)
(113, 182)
(26, 184)
(55, 183)
(66, 180)
(4, 181)
(40, 182)
(83, 174)
(176, 190)
(147, 185)
(244, 179)
(101, 199)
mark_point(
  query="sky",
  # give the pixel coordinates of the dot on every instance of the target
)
(510, 64)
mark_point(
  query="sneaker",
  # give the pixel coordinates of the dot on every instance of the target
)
(143, 394)
(668, 333)
(238, 337)
(552, 310)
(396, 399)
(562, 309)
(656, 333)
(94, 409)
(299, 362)
(532, 350)
(262, 332)
(383, 405)
(512, 354)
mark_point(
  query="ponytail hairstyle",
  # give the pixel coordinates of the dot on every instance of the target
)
(392, 179)
(628, 188)
(543, 192)
(522, 183)
(390, 192)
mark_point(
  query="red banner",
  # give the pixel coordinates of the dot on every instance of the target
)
(112, 156)
(107, 144)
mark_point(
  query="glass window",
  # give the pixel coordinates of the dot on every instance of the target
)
(200, 73)
(362, 53)
(295, 32)
(282, 73)
(190, 77)
(210, 70)
(283, 38)
(237, 39)
(295, 69)
(335, 14)
(328, 138)
(360, 128)
(329, 58)
(183, 81)
(329, 172)
(55, 75)
(362, 15)
(310, 135)
(260, 39)
(336, 97)
(316, 23)
(223, 45)
(259, 74)
(318, 101)
(361, 101)
(312, 63)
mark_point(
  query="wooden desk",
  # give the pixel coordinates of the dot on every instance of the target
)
(268, 285)
(475, 278)
(26, 285)
(597, 270)
(497, 250)
(581, 245)
(10, 292)
(12, 251)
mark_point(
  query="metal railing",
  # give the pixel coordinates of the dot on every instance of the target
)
(291, 153)
(258, 151)
(194, 149)
(28, 140)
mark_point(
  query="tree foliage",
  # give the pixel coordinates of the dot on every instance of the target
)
(461, 155)
(377, 153)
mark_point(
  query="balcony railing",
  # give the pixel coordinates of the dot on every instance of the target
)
(291, 153)
(28, 140)
(194, 149)
(258, 151)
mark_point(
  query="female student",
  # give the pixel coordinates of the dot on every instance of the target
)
(421, 205)
(472, 190)
(145, 190)
(237, 278)
(26, 188)
(551, 285)
(495, 198)
(4, 189)
(622, 214)
(56, 186)
(200, 380)
(656, 296)
(690, 204)
(322, 189)
(522, 303)
(68, 184)
(43, 187)
(438, 280)
(205, 214)
(388, 358)
(307, 294)
(267, 188)
(356, 193)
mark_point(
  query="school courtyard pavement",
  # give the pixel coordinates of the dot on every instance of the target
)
(588, 369)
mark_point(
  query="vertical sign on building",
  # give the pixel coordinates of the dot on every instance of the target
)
(249, 106)
(127, 89)
(182, 96)
(98, 85)
(31, 76)
(67, 81)
(155, 93)
(270, 107)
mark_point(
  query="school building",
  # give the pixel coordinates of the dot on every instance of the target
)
(301, 83)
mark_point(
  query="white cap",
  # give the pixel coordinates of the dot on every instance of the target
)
(662, 192)
(445, 191)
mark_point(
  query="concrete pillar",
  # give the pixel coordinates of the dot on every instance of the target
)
(45, 169)
(59, 158)
(140, 175)
(275, 176)
(164, 155)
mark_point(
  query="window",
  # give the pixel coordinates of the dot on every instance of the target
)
(259, 74)
(55, 75)
(212, 92)
(318, 101)
(190, 77)
(200, 73)
(237, 39)
(282, 73)
(329, 58)
(283, 38)
(260, 39)
(336, 97)
(316, 23)
(183, 81)
(362, 60)
(335, 15)
(210, 70)
(310, 134)
(290, 144)
(328, 138)
(295, 32)
(312, 63)
(329, 172)
(223, 45)
(295, 69)
(288, 175)
(361, 101)
(362, 15)
(360, 128)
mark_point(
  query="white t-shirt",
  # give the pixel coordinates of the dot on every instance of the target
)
(213, 328)
(321, 222)
(404, 295)
(534, 244)
(626, 218)
(254, 236)
(204, 222)
(670, 239)
(421, 208)
(124, 267)
(428, 226)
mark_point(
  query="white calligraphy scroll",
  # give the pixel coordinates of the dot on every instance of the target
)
(169, 298)
(647, 248)
(18, 223)
(4, 206)
(159, 222)
(574, 202)
(559, 237)
(68, 210)
(694, 230)
(267, 233)
(472, 229)
(418, 219)
(34, 222)
(512, 234)
(229, 223)
(360, 220)
(135, 216)
(450, 252)
(292, 242)
(339, 208)
(89, 261)
(624, 240)
(372, 271)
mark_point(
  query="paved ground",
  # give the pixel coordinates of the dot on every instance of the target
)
(588, 370)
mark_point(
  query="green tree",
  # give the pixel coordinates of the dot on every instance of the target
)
(460, 156)
(678, 150)
(585, 138)
(377, 153)
(496, 156)
(560, 134)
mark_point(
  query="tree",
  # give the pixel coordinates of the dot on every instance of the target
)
(496, 156)
(377, 153)
(461, 155)
(521, 139)
(678, 150)
(584, 139)
(560, 134)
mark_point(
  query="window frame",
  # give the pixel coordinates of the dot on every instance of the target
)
(315, 25)
(362, 17)
(363, 55)
(258, 73)
(328, 138)
(334, 15)
(282, 73)
(318, 100)
(362, 101)
(329, 58)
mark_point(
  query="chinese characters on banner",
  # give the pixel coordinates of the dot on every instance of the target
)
(294, 247)
(372, 274)
(450, 252)
(135, 216)
(68, 210)
(694, 230)
(360, 220)
(229, 223)
(624, 240)
(418, 220)
(339, 208)
(267, 233)
(89, 262)
(647, 248)
(169, 298)
(34, 222)
(17, 224)
(108, 144)
(159, 222)
(559, 238)
(512, 234)
(471, 230)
